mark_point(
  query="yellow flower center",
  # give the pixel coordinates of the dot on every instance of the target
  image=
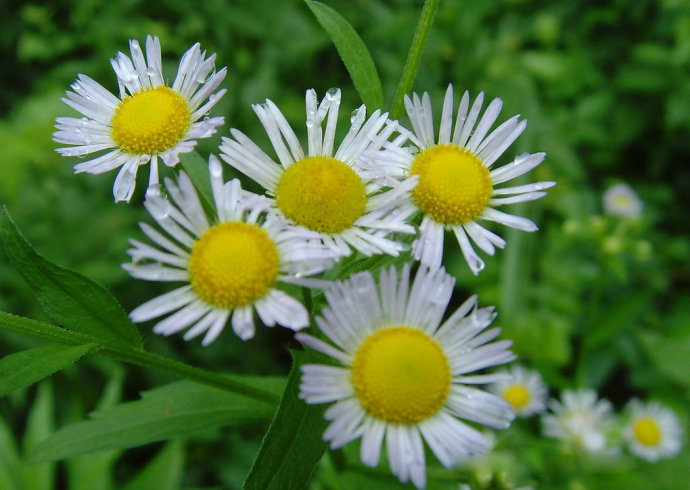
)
(150, 121)
(647, 432)
(233, 264)
(517, 396)
(454, 186)
(322, 194)
(401, 375)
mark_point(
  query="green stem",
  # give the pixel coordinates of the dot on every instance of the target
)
(137, 357)
(409, 73)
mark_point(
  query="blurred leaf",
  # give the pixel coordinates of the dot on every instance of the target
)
(616, 317)
(669, 353)
(293, 444)
(95, 471)
(164, 472)
(25, 368)
(10, 464)
(39, 426)
(353, 52)
(69, 298)
(174, 410)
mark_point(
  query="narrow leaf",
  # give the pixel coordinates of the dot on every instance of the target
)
(354, 53)
(293, 444)
(164, 472)
(39, 425)
(96, 471)
(69, 298)
(25, 368)
(10, 464)
(174, 410)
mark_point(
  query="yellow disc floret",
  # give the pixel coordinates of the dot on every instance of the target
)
(322, 194)
(647, 432)
(233, 264)
(150, 121)
(401, 375)
(454, 186)
(517, 396)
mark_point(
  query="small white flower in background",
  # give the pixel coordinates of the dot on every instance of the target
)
(230, 265)
(405, 377)
(620, 200)
(147, 121)
(456, 187)
(324, 189)
(580, 417)
(525, 391)
(653, 431)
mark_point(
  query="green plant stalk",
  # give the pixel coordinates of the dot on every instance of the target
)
(409, 73)
(137, 357)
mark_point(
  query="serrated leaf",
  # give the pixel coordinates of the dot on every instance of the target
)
(25, 368)
(354, 53)
(164, 472)
(293, 444)
(69, 298)
(174, 410)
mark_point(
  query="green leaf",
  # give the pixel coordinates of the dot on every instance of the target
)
(353, 52)
(174, 410)
(293, 444)
(197, 170)
(96, 471)
(69, 298)
(669, 352)
(164, 472)
(39, 426)
(10, 464)
(25, 368)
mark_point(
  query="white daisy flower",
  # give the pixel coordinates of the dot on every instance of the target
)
(580, 418)
(620, 200)
(404, 376)
(323, 189)
(456, 187)
(147, 121)
(525, 391)
(653, 431)
(230, 268)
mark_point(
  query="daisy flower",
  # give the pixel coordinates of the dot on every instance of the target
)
(457, 187)
(230, 267)
(323, 190)
(620, 200)
(580, 418)
(404, 375)
(525, 391)
(147, 121)
(653, 431)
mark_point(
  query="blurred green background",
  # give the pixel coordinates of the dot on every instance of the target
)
(590, 300)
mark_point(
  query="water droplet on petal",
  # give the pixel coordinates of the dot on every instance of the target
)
(154, 190)
(159, 207)
(332, 94)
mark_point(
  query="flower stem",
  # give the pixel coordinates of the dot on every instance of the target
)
(409, 73)
(134, 356)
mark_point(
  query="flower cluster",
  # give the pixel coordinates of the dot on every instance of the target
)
(401, 375)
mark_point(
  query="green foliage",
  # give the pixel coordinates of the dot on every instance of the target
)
(353, 52)
(172, 411)
(293, 444)
(25, 368)
(589, 300)
(69, 298)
